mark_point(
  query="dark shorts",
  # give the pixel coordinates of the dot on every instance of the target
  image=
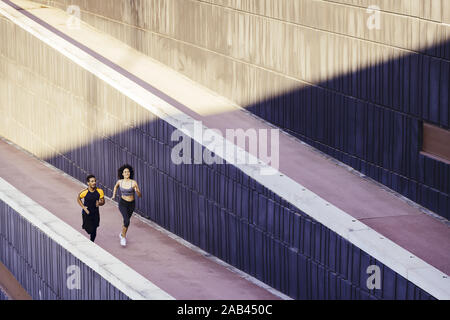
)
(91, 221)
(126, 208)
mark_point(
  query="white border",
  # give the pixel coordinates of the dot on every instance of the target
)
(422, 274)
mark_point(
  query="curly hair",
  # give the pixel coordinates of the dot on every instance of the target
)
(125, 166)
(89, 177)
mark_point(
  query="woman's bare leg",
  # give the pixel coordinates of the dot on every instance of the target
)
(124, 231)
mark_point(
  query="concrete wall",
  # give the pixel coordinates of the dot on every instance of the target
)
(252, 50)
(315, 69)
(45, 98)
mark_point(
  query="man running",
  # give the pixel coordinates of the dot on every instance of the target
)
(93, 199)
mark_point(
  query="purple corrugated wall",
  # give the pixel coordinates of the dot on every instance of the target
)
(40, 264)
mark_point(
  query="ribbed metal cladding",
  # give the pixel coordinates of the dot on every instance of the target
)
(41, 265)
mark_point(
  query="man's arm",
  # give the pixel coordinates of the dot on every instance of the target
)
(80, 196)
(101, 201)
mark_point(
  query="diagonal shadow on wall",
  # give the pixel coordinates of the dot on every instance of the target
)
(370, 119)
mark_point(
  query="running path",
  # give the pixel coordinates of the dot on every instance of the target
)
(180, 271)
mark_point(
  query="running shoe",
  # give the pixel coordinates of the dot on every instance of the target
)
(123, 240)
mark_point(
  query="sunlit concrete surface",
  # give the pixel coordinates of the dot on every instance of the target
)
(248, 51)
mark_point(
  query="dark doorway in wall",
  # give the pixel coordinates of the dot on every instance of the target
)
(436, 142)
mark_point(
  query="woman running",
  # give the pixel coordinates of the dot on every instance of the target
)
(126, 204)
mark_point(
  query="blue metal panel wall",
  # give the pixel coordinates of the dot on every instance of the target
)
(3, 295)
(228, 214)
(40, 264)
(372, 121)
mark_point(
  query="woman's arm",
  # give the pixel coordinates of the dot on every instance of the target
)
(115, 189)
(136, 188)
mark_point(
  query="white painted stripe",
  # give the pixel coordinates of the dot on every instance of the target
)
(430, 279)
(117, 273)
